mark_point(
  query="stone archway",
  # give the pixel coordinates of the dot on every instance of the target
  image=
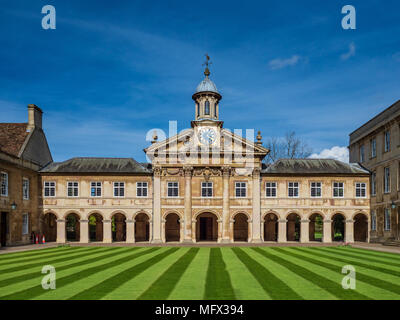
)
(271, 227)
(360, 227)
(293, 227)
(207, 227)
(316, 226)
(95, 227)
(240, 227)
(72, 227)
(172, 228)
(338, 227)
(49, 227)
(118, 227)
(142, 227)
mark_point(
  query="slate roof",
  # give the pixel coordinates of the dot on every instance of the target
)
(97, 165)
(207, 85)
(12, 137)
(314, 166)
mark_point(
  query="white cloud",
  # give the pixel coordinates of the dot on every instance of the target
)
(338, 153)
(282, 63)
(350, 53)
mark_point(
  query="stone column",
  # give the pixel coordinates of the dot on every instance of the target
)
(227, 235)
(181, 229)
(188, 204)
(256, 207)
(250, 230)
(61, 231)
(193, 230)
(151, 234)
(156, 207)
(163, 240)
(219, 221)
(107, 234)
(304, 232)
(130, 231)
(327, 231)
(282, 230)
(349, 231)
(231, 230)
(84, 231)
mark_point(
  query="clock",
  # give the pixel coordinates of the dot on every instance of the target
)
(207, 136)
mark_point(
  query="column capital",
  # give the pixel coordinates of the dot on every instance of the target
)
(256, 172)
(187, 171)
(106, 221)
(130, 221)
(60, 220)
(327, 221)
(157, 171)
(304, 220)
(282, 220)
(84, 221)
(349, 220)
(226, 171)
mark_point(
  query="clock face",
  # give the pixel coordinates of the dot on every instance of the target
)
(207, 136)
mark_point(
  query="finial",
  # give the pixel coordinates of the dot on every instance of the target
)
(207, 63)
(155, 137)
(259, 138)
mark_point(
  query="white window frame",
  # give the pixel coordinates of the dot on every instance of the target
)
(97, 185)
(118, 186)
(207, 186)
(49, 187)
(4, 183)
(361, 186)
(295, 186)
(272, 187)
(373, 220)
(74, 187)
(172, 185)
(386, 218)
(142, 186)
(386, 180)
(25, 224)
(338, 188)
(25, 188)
(316, 187)
(362, 153)
(241, 185)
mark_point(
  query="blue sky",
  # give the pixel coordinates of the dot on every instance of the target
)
(112, 71)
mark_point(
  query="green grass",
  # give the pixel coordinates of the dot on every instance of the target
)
(200, 273)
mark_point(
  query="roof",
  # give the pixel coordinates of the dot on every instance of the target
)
(96, 165)
(12, 137)
(314, 166)
(207, 86)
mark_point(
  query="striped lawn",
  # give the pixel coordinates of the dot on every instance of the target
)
(146, 273)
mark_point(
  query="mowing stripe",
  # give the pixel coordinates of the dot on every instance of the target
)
(32, 253)
(165, 284)
(386, 285)
(381, 254)
(271, 284)
(105, 287)
(218, 285)
(38, 274)
(328, 285)
(72, 278)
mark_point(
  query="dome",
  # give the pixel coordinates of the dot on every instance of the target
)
(207, 85)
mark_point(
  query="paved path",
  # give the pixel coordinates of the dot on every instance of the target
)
(27, 247)
(376, 247)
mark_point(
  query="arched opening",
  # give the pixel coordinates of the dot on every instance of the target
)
(338, 227)
(271, 227)
(316, 227)
(95, 227)
(207, 227)
(172, 228)
(142, 227)
(240, 228)
(49, 227)
(360, 227)
(72, 226)
(118, 227)
(293, 227)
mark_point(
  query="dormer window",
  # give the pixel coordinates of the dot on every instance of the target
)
(207, 108)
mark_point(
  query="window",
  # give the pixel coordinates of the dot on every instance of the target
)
(207, 108)
(4, 184)
(25, 223)
(206, 189)
(49, 189)
(215, 109)
(362, 153)
(373, 183)
(119, 189)
(197, 110)
(141, 189)
(361, 190)
(95, 189)
(387, 141)
(73, 189)
(373, 221)
(293, 189)
(25, 189)
(240, 189)
(316, 189)
(387, 219)
(270, 189)
(173, 189)
(373, 148)
(386, 180)
(338, 189)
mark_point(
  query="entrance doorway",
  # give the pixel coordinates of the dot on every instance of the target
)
(3, 229)
(207, 227)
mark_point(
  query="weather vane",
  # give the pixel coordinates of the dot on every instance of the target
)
(207, 63)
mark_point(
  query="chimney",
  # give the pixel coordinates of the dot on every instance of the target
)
(34, 117)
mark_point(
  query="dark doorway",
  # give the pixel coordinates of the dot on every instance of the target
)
(118, 225)
(293, 227)
(3, 229)
(142, 228)
(95, 227)
(240, 228)
(72, 227)
(50, 227)
(361, 228)
(316, 227)
(206, 229)
(338, 227)
(172, 228)
(271, 227)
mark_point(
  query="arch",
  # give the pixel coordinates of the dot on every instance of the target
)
(118, 226)
(271, 211)
(206, 226)
(95, 226)
(137, 213)
(172, 227)
(291, 212)
(316, 226)
(240, 227)
(360, 227)
(67, 213)
(215, 213)
(241, 212)
(49, 226)
(72, 226)
(293, 226)
(172, 211)
(207, 108)
(142, 227)
(271, 226)
(338, 226)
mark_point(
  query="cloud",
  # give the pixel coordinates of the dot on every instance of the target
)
(338, 153)
(350, 53)
(283, 63)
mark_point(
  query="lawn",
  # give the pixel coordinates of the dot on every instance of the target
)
(200, 273)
